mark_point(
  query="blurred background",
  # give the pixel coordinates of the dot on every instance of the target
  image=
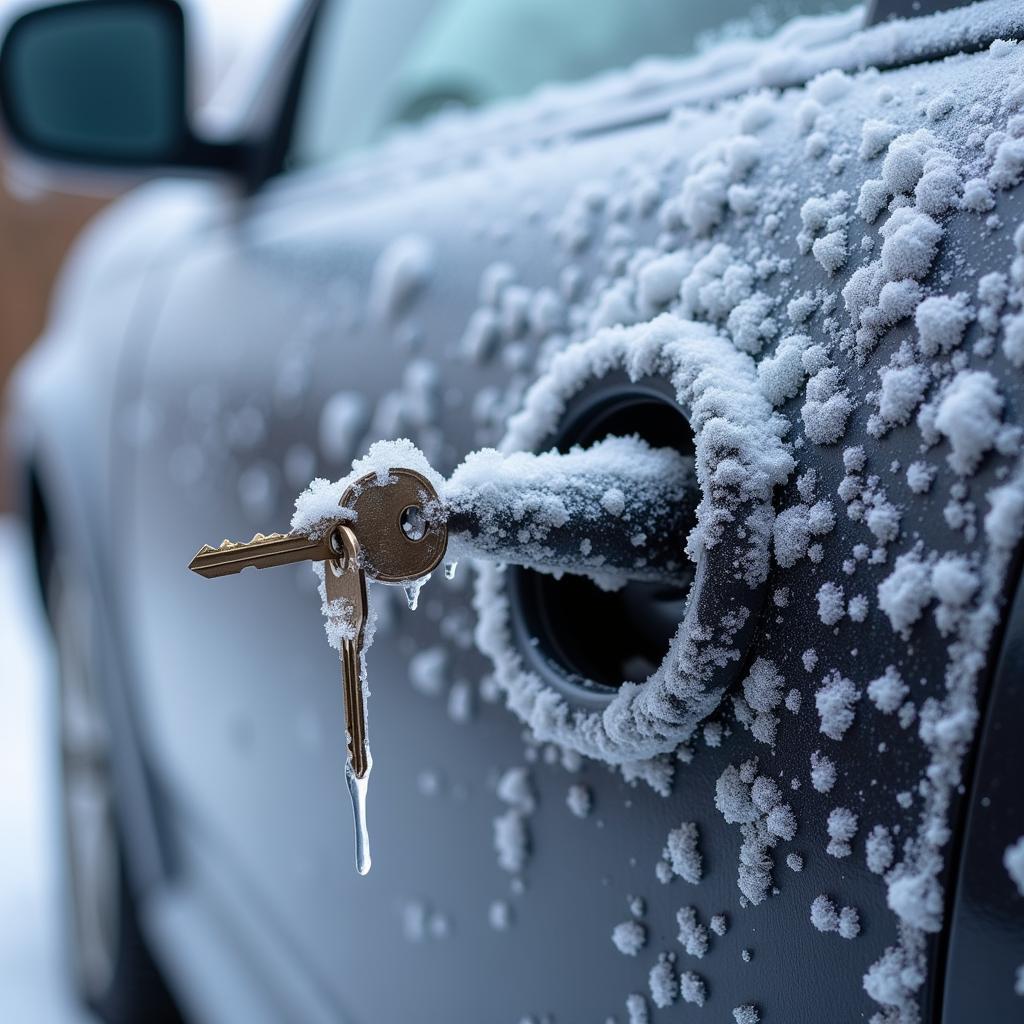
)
(36, 229)
(35, 232)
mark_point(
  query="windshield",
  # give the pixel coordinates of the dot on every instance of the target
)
(377, 64)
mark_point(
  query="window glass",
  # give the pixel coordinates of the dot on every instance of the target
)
(376, 64)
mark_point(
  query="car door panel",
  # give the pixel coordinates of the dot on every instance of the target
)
(240, 693)
(241, 698)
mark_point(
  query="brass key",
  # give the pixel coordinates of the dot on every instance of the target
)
(345, 586)
(262, 552)
(385, 531)
(398, 541)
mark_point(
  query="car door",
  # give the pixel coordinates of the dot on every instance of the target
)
(412, 294)
(284, 342)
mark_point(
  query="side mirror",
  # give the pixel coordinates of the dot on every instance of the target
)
(103, 83)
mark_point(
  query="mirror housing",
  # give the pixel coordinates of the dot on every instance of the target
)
(102, 84)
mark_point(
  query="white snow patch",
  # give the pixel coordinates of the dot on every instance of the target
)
(693, 936)
(692, 988)
(916, 898)
(664, 983)
(682, 854)
(579, 800)
(629, 937)
(499, 915)
(826, 408)
(905, 592)
(969, 417)
(835, 700)
(823, 914)
(941, 321)
(842, 827)
(713, 170)
(636, 1009)
(831, 603)
(888, 691)
(402, 272)
(1013, 861)
(879, 850)
(823, 772)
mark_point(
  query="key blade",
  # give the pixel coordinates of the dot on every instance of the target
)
(345, 582)
(262, 552)
(355, 710)
(345, 587)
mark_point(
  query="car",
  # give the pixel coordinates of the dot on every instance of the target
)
(794, 255)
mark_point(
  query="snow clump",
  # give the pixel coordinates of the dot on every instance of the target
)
(831, 603)
(826, 408)
(682, 854)
(693, 936)
(823, 772)
(888, 691)
(636, 1009)
(905, 593)
(692, 988)
(511, 828)
(1013, 861)
(713, 170)
(916, 898)
(629, 937)
(969, 417)
(402, 272)
(941, 321)
(579, 800)
(835, 700)
(879, 850)
(842, 827)
(754, 803)
(663, 981)
(762, 690)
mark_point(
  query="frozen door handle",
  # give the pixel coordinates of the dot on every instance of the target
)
(618, 510)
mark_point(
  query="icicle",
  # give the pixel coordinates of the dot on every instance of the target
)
(357, 790)
(412, 591)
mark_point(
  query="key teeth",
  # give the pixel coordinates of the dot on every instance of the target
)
(257, 538)
(263, 550)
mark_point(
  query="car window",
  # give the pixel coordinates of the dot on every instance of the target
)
(378, 64)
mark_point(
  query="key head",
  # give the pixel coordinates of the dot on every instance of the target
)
(401, 536)
(344, 580)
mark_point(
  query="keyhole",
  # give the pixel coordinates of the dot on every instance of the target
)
(413, 522)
